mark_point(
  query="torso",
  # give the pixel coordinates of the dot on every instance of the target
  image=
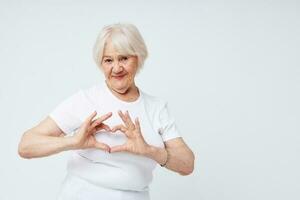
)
(120, 170)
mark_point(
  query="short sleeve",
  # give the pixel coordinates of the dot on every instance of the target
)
(167, 126)
(65, 114)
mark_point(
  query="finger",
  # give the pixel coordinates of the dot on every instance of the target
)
(95, 122)
(91, 130)
(118, 148)
(102, 146)
(137, 124)
(88, 120)
(100, 125)
(90, 117)
(105, 127)
(123, 118)
(120, 128)
(129, 120)
(103, 117)
(99, 121)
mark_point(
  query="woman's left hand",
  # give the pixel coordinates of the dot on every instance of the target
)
(135, 143)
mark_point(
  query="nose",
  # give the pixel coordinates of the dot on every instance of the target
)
(117, 68)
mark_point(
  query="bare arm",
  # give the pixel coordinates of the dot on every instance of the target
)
(43, 140)
(180, 158)
(178, 155)
(47, 138)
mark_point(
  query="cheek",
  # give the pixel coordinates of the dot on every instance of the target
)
(130, 74)
(132, 69)
(106, 71)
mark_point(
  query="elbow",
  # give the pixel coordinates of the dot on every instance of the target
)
(23, 153)
(190, 167)
(186, 172)
(23, 150)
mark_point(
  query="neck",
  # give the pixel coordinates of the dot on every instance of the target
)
(131, 94)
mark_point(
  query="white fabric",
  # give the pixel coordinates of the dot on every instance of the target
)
(122, 170)
(75, 188)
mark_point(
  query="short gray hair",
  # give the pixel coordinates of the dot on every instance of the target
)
(126, 39)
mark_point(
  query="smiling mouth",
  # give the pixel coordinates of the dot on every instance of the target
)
(119, 77)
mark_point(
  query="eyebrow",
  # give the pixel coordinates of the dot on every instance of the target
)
(112, 56)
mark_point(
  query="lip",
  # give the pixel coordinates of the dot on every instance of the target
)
(119, 76)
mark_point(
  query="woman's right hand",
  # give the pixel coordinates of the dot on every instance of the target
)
(85, 136)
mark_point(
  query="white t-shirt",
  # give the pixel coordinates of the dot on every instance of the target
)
(120, 170)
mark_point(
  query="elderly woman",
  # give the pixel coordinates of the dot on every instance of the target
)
(117, 132)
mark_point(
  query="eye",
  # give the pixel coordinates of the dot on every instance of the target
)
(124, 58)
(108, 60)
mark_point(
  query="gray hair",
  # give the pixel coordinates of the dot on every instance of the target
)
(125, 38)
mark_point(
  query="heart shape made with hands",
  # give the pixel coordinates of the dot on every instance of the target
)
(135, 142)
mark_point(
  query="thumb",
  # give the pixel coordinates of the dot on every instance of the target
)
(88, 120)
(118, 148)
(104, 147)
(90, 117)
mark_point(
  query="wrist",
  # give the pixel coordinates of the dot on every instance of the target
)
(70, 143)
(160, 155)
(166, 159)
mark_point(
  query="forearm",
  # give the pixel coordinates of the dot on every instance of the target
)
(34, 145)
(179, 160)
(156, 153)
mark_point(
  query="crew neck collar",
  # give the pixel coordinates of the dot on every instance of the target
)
(110, 93)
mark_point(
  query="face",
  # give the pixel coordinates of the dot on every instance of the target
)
(119, 70)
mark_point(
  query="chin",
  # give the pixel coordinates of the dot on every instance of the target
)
(120, 86)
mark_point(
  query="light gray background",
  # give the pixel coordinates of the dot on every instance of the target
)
(230, 71)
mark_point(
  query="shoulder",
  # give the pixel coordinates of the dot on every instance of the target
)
(80, 95)
(153, 104)
(153, 101)
(72, 98)
(80, 102)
